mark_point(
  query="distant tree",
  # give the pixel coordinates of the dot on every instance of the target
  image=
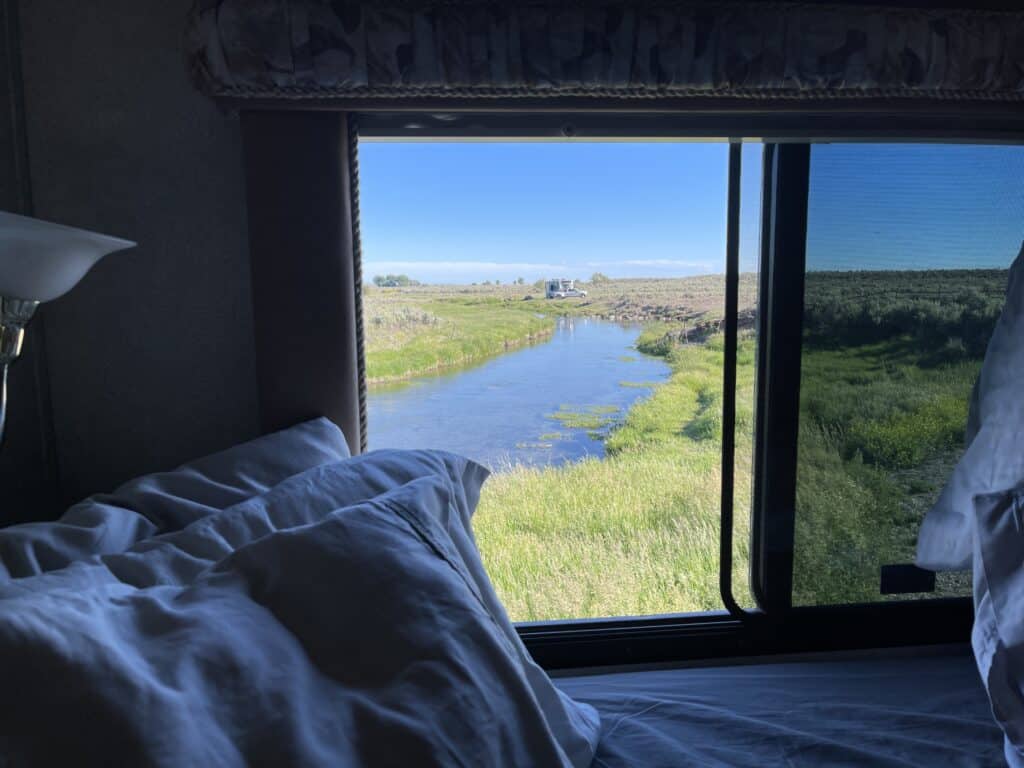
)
(539, 285)
(599, 277)
(520, 281)
(394, 281)
(497, 282)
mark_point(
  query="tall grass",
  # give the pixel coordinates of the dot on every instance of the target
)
(878, 434)
(635, 533)
(638, 532)
(416, 339)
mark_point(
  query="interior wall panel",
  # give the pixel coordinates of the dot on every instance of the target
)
(151, 357)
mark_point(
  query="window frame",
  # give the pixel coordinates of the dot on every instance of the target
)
(775, 626)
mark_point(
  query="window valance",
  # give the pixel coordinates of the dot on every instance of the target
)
(298, 49)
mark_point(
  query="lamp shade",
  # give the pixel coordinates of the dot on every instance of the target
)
(40, 261)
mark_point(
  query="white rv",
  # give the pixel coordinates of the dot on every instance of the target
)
(562, 288)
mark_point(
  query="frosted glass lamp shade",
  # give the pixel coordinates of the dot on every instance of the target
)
(40, 261)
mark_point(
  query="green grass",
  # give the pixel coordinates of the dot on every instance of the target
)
(593, 417)
(456, 333)
(881, 425)
(879, 432)
(636, 533)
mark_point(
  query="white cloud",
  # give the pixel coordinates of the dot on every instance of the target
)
(682, 264)
(458, 267)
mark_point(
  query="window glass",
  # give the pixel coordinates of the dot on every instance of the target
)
(907, 252)
(552, 310)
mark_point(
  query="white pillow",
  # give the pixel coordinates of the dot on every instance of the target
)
(343, 618)
(168, 501)
(994, 459)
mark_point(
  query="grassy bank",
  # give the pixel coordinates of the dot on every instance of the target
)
(637, 532)
(420, 329)
(410, 338)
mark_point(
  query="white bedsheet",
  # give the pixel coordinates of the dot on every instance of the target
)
(926, 711)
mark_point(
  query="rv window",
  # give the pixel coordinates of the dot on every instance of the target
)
(553, 311)
(907, 252)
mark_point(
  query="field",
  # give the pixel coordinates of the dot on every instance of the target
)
(419, 329)
(406, 337)
(889, 360)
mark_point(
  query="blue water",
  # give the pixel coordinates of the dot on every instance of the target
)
(497, 412)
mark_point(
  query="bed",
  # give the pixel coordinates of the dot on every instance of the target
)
(282, 603)
(919, 707)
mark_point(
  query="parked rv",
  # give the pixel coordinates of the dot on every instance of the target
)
(562, 288)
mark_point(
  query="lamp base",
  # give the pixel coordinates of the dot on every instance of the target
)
(14, 316)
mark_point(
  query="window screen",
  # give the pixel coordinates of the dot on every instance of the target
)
(907, 252)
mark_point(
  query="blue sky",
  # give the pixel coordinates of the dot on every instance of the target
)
(469, 212)
(924, 206)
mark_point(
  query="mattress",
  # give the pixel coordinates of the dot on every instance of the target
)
(913, 709)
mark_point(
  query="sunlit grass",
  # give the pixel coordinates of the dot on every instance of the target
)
(592, 417)
(439, 335)
(879, 433)
(636, 533)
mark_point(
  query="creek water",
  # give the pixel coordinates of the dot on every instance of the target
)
(499, 412)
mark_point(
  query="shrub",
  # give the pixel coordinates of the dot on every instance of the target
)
(904, 440)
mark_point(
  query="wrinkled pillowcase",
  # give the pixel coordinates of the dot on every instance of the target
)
(439, 489)
(168, 501)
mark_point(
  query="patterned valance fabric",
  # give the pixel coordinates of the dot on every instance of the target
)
(296, 49)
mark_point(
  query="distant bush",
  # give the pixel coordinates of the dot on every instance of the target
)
(938, 309)
(599, 277)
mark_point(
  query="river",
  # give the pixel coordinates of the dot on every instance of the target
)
(499, 412)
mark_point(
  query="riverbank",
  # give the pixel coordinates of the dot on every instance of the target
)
(636, 532)
(416, 330)
(408, 338)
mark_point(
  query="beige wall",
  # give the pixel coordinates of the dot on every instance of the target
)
(150, 358)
